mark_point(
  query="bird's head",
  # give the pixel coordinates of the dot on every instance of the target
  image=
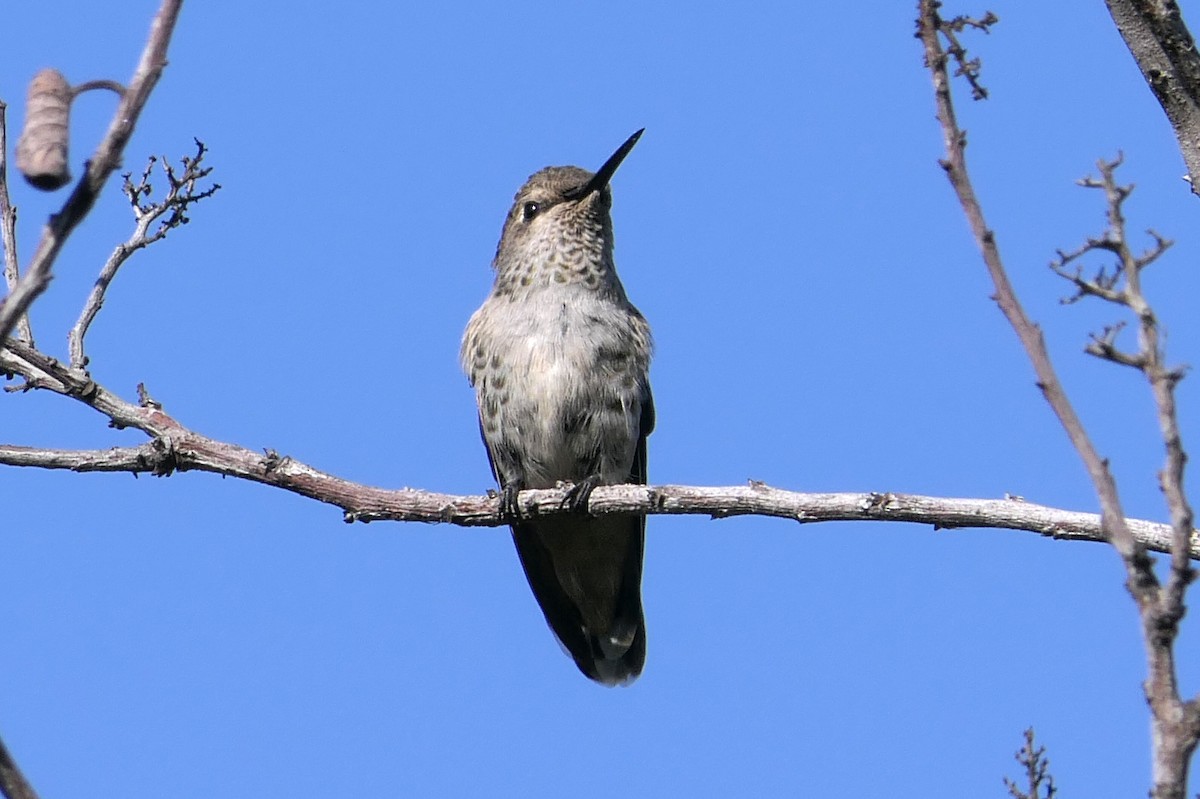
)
(559, 230)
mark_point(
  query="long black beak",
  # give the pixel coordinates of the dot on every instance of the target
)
(605, 173)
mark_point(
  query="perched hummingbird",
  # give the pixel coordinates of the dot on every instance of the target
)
(559, 359)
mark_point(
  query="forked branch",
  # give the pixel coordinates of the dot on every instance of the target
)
(170, 212)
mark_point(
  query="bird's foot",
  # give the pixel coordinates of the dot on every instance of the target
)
(510, 508)
(578, 495)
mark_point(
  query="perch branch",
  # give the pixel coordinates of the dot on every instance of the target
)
(173, 447)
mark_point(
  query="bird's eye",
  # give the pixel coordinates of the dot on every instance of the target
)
(530, 210)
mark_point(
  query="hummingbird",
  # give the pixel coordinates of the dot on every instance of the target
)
(559, 360)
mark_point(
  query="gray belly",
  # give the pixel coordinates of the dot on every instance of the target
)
(573, 418)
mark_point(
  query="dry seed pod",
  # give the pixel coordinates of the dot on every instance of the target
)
(42, 148)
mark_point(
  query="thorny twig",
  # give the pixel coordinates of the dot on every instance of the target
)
(170, 213)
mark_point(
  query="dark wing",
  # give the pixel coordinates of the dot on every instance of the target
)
(560, 611)
(646, 427)
(534, 541)
(629, 600)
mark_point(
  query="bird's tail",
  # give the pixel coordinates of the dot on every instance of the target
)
(586, 574)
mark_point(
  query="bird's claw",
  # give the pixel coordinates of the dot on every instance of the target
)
(578, 495)
(510, 507)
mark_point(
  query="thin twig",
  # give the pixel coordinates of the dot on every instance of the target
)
(1121, 285)
(102, 164)
(1179, 720)
(181, 195)
(1161, 619)
(968, 68)
(92, 85)
(1163, 379)
(1039, 783)
(8, 227)
(930, 26)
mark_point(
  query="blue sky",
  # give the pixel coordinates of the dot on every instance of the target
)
(822, 324)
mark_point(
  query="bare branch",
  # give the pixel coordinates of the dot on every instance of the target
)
(13, 784)
(189, 451)
(930, 29)
(8, 227)
(968, 68)
(1177, 730)
(1102, 285)
(1149, 359)
(1104, 345)
(1039, 783)
(1128, 267)
(173, 447)
(134, 460)
(181, 195)
(1165, 52)
(102, 164)
(1176, 724)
